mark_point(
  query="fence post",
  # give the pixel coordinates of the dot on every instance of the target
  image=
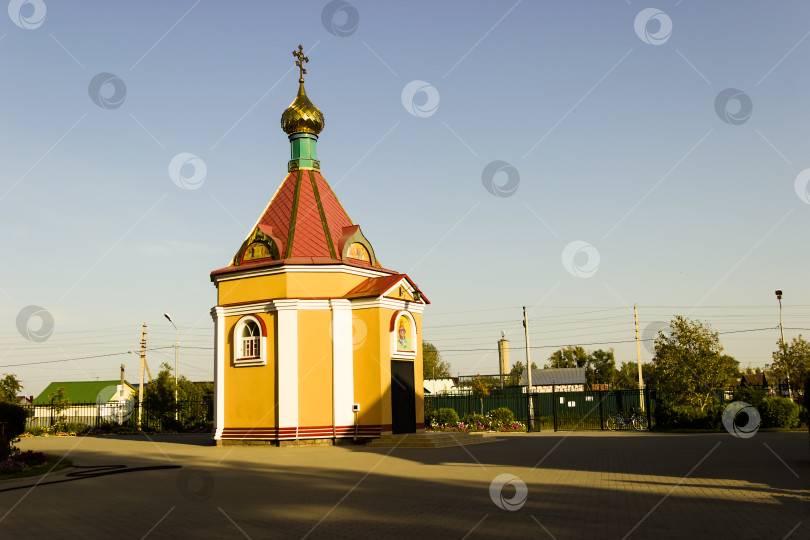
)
(649, 413)
(601, 413)
(554, 405)
(528, 410)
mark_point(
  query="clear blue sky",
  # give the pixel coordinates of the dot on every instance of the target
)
(610, 129)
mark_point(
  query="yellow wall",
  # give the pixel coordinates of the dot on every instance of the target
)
(252, 289)
(400, 294)
(418, 379)
(367, 367)
(321, 285)
(372, 368)
(384, 385)
(250, 391)
(314, 368)
(288, 285)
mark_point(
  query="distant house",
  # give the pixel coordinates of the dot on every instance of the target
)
(761, 380)
(558, 379)
(434, 387)
(25, 400)
(87, 392)
(88, 401)
(758, 380)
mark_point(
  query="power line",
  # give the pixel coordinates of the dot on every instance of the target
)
(80, 358)
(596, 343)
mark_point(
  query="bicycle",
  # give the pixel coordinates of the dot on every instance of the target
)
(618, 421)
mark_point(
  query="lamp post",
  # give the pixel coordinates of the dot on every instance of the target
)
(782, 334)
(175, 363)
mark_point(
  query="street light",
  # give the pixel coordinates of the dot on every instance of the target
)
(175, 363)
(782, 334)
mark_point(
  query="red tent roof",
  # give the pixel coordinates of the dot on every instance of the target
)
(306, 216)
(306, 222)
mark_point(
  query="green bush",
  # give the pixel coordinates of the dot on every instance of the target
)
(14, 417)
(430, 413)
(753, 395)
(447, 417)
(430, 418)
(501, 417)
(779, 412)
(76, 427)
(669, 416)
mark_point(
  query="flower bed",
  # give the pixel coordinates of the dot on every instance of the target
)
(20, 461)
(480, 426)
(500, 419)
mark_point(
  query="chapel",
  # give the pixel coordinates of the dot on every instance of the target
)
(314, 338)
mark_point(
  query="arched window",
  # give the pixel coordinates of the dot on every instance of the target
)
(358, 252)
(249, 342)
(256, 251)
(403, 335)
(249, 346)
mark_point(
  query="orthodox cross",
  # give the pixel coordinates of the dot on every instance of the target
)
(301, 60)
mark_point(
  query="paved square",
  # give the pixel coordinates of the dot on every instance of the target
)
(578, 485)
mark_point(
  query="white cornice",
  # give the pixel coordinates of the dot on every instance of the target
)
(299, 268)
(337, 303)
(390, 303)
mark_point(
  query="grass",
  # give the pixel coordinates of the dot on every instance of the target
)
(43, 468)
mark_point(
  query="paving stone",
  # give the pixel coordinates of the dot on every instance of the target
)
(577, 485)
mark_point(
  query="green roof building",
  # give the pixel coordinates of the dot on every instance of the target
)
(86, 391)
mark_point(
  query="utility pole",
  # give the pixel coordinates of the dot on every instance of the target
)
(783, 349)
(530, 422)
(148, 373)
(121, 398)
(140, 378)
(638, 357)
(175, 363)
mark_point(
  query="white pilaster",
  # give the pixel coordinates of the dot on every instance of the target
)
(343, 362)
(287, 364)
(218, 314)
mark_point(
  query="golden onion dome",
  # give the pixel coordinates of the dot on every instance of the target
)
(302, 116)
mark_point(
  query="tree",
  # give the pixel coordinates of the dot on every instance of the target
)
(159, 394)
(518, 371)
(433, 367)
(9, 388)
(568, 357)
(627, 376)
(601, 367)
(480, 389)
(59, 403)
(689, 363)
(791, 361)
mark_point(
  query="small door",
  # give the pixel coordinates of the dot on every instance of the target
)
(403, 397)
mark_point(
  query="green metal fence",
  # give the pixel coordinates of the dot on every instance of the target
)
(465, 404)
(155, 416)
(560, 411)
